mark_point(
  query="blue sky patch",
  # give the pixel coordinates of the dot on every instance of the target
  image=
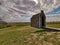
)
(55, 11)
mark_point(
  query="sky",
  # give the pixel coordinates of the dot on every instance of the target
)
(23, 10)
(55, 11)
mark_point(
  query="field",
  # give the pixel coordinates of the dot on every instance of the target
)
(27, 35)
(53, 24)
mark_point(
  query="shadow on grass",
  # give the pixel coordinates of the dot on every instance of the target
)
(47, 30)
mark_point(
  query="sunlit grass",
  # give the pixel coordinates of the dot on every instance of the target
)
(55, 25)
(28, 35)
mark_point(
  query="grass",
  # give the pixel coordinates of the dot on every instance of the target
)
(55, 25)
(49, 24)
(26, 35)
(13, 25)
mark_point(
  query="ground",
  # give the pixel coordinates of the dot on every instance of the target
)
(27, 35)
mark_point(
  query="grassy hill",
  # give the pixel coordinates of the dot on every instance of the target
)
(27, 35)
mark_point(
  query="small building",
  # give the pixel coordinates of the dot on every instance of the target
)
(38, 20)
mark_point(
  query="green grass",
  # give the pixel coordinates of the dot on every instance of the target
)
(26, 35)
(55, 25)
(13, 25)
(48, 24)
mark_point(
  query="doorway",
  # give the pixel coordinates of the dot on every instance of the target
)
(43, 22)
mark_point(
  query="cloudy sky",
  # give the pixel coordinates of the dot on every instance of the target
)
(23, 10)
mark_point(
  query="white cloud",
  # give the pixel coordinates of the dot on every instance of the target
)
(49, 5)
(12, 9)
(53, 17)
